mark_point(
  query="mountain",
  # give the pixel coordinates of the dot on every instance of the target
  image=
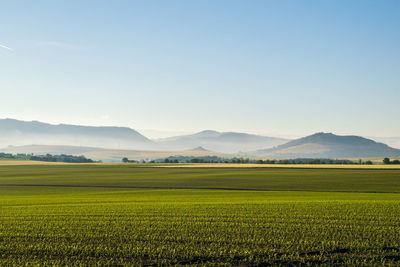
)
(225, 142)
(391, 141)
(107, 155)
(199, 148)
(17, 133)
(328, 145)
(22, 133)
(75, 139)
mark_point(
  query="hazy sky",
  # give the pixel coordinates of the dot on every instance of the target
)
(277, 67)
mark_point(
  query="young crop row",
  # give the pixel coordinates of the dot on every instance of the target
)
(154, 231)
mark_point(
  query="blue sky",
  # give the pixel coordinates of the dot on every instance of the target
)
(270, 67)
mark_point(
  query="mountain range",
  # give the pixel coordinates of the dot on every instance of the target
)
(113, 143)
(22, 133)
(17, 133)
(226, 142)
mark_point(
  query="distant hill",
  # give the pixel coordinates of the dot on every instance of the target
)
(199, 148)
(107, 155)
(21, 133)
(76, 140)
(226, 142)
(328, 145)
(15, 132)
(391, 141)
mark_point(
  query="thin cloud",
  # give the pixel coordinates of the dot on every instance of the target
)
(6, 47)
(60, 45)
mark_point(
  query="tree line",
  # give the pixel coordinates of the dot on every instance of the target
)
(47, 157)
(240, 160)
(388, 161)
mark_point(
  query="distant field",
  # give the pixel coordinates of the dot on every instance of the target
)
(209, 165)
(304, 166)
(135, 176)
(5, 162)
(99, 215)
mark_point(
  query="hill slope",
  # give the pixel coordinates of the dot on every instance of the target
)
(391, 141)
(15, 132)
(328, 145)
(226, 142)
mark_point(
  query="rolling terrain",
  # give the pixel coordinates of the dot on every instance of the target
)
(391, 141)
(226, 142)
(328, 145)
(18, 133)
(24, 133)
(110, 144)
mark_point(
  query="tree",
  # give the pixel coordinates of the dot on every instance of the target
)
(386, 161)
(125, 160)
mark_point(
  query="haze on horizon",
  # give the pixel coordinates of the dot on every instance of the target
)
(276, 68)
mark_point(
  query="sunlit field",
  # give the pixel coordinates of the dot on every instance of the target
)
(299, 166)
(119, 214)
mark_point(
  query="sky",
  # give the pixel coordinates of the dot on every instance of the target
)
(283, 68)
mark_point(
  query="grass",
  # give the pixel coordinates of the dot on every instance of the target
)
(134, 176)
(93, 215)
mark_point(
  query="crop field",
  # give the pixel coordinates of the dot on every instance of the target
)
(296, 166)
(125, 215)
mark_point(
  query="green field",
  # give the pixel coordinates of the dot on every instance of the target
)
(127, 215)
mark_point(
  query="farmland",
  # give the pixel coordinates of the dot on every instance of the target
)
(136, 215)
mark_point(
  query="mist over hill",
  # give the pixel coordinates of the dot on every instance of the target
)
(17, 133)
(75, 139)
(109, 155)
(226, 142)
(391, 141)
(21, 133)
(328, 145)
